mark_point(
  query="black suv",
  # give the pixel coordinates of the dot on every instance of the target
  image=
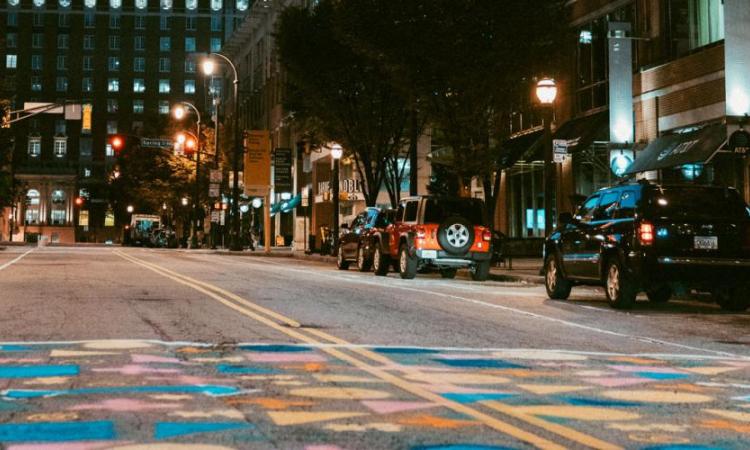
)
(660, 239)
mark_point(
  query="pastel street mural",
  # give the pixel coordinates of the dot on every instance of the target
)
(147, 394)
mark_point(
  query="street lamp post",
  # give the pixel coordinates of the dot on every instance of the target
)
(208, 68)
(546, 91)
(336, 153)
(179, 113)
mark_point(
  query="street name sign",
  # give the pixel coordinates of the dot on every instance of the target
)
(156, 143)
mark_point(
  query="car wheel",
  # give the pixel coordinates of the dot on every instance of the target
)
(380, 262)
(735, 299)
(407, 264)
(480, 271)
(558, 288)
(363, 263)
(341, 262)
(449, 273)
(621, 290)
(660, 294)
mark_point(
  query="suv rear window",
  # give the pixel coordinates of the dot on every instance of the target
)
(704, 202)
(439, 209)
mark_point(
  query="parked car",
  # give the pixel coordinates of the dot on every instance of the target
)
(435, 233)
(163, 238)
(356, 240)
(660, 239)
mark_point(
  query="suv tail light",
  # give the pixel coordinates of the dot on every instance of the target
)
(421, 233)
(487, 235)
(646, 233)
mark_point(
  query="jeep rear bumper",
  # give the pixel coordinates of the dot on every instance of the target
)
(444, 259)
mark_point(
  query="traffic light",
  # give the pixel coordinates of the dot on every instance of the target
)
(79, 201)
(117, 142)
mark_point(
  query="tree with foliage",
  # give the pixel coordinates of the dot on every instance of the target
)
(464, 62)
(342, 96)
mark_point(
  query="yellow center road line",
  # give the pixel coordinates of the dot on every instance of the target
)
(15, 260)
(301, 334)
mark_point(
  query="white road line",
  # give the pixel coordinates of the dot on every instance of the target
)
(13, 261)
(508, 309)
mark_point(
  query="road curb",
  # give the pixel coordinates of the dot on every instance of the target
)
(530, 279)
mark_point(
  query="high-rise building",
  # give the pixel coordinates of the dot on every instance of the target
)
(128, 61)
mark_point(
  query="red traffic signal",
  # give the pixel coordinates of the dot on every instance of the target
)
(79, 201)
(117, 142)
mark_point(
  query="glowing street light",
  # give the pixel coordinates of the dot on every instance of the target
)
(179, 112)
(130, 209)
(336, 153)
(208, 67)
(546, 92)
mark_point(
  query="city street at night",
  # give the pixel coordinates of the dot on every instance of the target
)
(109, 347)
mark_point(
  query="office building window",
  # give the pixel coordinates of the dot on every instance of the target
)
(138, 106)
(89, 20)
(60, 127)
(36, 83)
(139, 85)
(139, 23)
(61, 84)
(12, 19)
(61, 147)
(164, 86)
(216, 5)
(189, 44)
(190, 86)
(112, 105)
(89, 41)
(139, 43)
(163, 64)
(35, 147)
(141, 4)
(36, 62)
(113, 63)
(64, 3)
(190, 22)
(62, 41)
(111, 127)
(163, 106)
(189, 66)
(115, 4)
(139, 64)
(88, 62)
(37, 20)
(87, 84)
(694, 24)
(62, 62)
(109, 151)
(11, 40)
(32, 200)
(164, 44)
(63, 20)
(114, 21)
(11, 61)
(164, 23)
(191, 5)
(215, 44)
(114, 42)
(87, 172)
(242, 5)
(85, 146)
(166, 5)
(113, 85)
(215, 23)
(37, 40)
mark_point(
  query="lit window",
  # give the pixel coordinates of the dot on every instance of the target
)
(13, 2)
(163, 106)
(215, 44)
(38, 3)
(141, 4)
(111, 127)
(87, 84)
(163, 64)
(36, 83)
(242, 5)
(109, 151)
(138, 106)
(164, 44)
(32, 206)
(115, 4)
(35, 147)
(89, 3)
(112, 105)
(113, 85)
(166, 5)
(113, 62)
(139, 64)
(87, 172)
(189, 44)
(190, 86)
(62, 84)
(164, 86)
(61, 147)
(139, 85)
(191, 4)
(62, 62)
(216, 5)
(11, 61)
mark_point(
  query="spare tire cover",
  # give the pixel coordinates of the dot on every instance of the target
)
(456, 235)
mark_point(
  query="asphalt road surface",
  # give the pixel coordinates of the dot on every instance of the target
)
(135, 348)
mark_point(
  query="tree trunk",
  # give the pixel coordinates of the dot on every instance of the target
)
(413, 152)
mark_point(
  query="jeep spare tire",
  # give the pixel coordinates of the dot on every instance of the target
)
(456, 235)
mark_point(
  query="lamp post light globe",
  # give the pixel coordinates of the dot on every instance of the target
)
(208, 67)
(184, 201)
(257, 203)
(337, 151)
(180, 138)
(130, 209)
(179, 112)
(546, 91)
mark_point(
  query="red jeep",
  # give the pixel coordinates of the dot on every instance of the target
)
(435, 233)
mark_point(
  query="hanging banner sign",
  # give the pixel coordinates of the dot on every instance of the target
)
(257, 174)
(282, 170)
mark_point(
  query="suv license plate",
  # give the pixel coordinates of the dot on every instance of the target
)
(429, 254)
(706, 242)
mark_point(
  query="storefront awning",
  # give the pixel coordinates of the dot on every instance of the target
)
(583, 131)
(520, 147)
(286, 205)
(677, 149)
